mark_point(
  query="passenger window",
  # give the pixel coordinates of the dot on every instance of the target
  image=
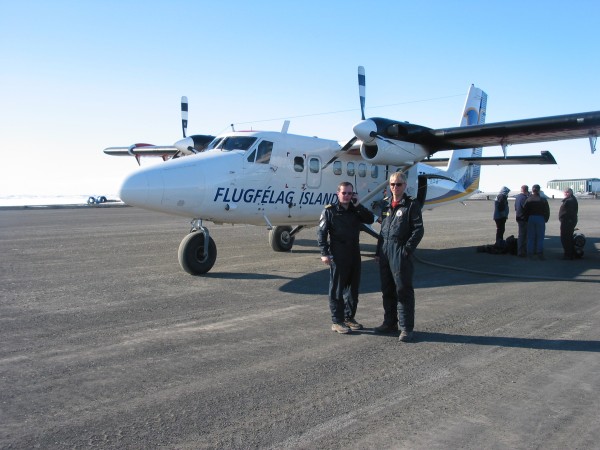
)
(299, 164)
(362, 170)
(350, 169)
(264, 152)
(313, 165)
(337, 168)
(374, 171)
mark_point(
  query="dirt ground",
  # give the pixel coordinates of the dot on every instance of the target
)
(107, 343)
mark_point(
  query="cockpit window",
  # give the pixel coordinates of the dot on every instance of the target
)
(214, 143)
(235, 143)
(263, 156)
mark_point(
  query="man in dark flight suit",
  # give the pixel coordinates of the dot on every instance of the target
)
(401, 231)
(338, 238)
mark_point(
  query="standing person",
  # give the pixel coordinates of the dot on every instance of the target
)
(401, 231)
(537, 212)
(521, 221)
(338, 238)
(501, 211)
(567, 215)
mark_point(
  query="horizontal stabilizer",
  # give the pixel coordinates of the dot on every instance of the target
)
(545, 157)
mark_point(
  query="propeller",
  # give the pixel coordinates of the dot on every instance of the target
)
(190, 144)
(362, 90)
(361, 93)
(184, 115)
(366, 130)
(345, 148)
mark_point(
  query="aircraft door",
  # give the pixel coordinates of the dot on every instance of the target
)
(313, 175)
(257, 163)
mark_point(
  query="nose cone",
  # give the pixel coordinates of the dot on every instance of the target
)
(364, 130)
(143, 188)
(185, 145)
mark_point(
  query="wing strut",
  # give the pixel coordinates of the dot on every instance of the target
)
(593, 139)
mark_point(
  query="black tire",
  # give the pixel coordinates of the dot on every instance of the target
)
(91, 201)
(102, 199)
(191, 256)
(280, 239)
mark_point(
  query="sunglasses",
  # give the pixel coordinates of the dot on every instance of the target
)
(397, 184)
(347, 193)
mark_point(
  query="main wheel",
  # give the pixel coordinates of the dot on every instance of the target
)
(281, 239)
(191, 253)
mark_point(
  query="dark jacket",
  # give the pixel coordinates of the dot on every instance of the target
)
(568, 210)
(501, 209)
(519, 202)
(401, 226)
(536, 206)
(342, 227)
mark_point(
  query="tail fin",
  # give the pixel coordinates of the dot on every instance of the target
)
(473, 114)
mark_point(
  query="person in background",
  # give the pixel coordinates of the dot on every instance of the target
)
(501, 211)
(401, 231)
(521, 221)
(567, 215)
(338, 238)
(537, 212)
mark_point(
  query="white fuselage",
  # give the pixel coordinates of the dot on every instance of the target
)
(287, 187)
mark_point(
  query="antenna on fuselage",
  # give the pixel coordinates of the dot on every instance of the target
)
(232, 127)
(284, 128)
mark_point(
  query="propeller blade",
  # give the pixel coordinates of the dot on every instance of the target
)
(345, 148)
(184, 115)
(361, 90)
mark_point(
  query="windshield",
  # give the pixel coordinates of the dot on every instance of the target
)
(214, 143)
(235, 143)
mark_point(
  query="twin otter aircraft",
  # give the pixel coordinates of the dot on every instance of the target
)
(283, 180)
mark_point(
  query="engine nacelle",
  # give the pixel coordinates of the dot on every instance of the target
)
(391, 153)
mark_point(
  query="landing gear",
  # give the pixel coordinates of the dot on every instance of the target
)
(197, 252)
(281, 238)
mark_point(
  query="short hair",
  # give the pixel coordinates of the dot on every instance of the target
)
(535, 187)
(398, 175)
(569, 190)
(344, 184)
(524, 188)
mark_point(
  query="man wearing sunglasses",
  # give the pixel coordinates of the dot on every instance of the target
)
(401, 231)
(338, 238)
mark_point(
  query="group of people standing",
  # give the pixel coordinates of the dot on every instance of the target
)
(401, 232)
(338, 238)
(532, 213)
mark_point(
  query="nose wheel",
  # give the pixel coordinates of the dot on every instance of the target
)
(197, 252)
(282, 238)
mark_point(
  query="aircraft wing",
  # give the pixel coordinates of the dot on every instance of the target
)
(553, 128)
(142, 150)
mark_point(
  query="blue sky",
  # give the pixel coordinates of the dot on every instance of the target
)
(81, 76)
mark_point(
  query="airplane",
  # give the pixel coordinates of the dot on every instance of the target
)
(283, 181)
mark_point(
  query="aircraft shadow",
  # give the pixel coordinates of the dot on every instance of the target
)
(465, 266)
(310, 246)
(243, 276)
(503, 341)
(473, 267)
(496, 341)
